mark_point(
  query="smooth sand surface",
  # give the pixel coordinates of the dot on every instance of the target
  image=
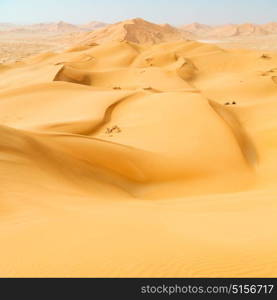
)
(122, 159)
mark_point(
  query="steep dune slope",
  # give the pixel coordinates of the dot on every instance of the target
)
(126, 159)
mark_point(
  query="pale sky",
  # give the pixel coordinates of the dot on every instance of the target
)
(176, 12)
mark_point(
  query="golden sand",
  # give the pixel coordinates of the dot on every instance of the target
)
(125, 160)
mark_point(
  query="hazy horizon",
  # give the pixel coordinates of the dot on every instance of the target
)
(159, 11)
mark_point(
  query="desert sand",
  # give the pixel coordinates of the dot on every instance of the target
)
(133, 160)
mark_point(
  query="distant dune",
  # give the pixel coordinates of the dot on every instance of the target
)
(132, 30)
(197, 29)
(270, 27)
(53, 27)
(6, 26)
(232, 30)
(93, 25)
(137, 31)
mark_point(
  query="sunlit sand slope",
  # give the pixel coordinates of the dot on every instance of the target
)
(134, 160)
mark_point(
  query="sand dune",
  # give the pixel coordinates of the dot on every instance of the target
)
(126, 159)
(21, 41)
(136, 31)
(230, 30)
(93, 25)
(18, 42)
(55, 27)
(49, 27)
